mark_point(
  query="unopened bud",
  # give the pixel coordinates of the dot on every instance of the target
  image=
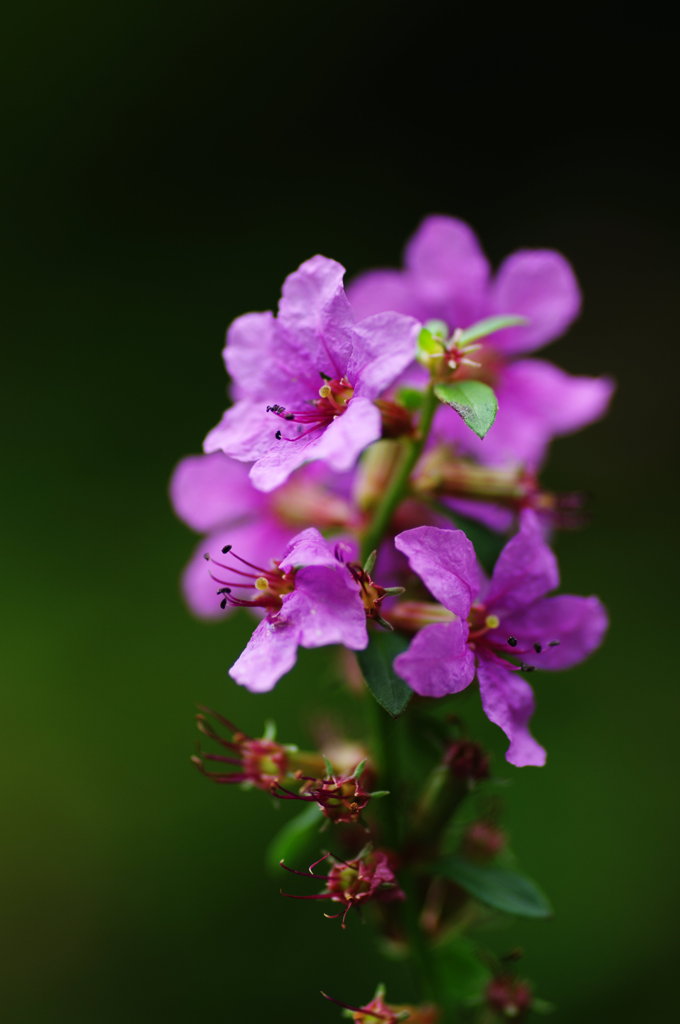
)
(467, 760)
(509, 997)
(483, 841)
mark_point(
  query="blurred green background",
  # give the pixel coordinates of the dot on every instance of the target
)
(165, 168)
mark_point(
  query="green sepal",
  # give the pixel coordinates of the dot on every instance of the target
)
(429, 345)
(488, 326)
(473, 400)
(376, 663)
(496, 887)
(439, 329)
(294, 840)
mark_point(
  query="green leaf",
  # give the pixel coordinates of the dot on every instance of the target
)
(471, 399)
(489, 326)
(496, 887)
(411, 398)
(463, 973)
(293, 841)
(389, 690)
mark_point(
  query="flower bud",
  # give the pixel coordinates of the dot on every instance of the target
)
(467, 760)
(509, 997)
(483, 841)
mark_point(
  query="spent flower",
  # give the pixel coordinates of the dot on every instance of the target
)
(353, 883)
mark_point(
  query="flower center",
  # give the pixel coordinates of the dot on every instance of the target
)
(269, 585)
(482, 624)
(334, 397)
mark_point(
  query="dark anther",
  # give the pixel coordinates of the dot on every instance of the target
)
(538, 648)
(277, 435)
(512, 641)
(554, 643)
(289, 416)
(223, 603)
(226, 549)
(324, 376)
(224, 590)
(206, 556)
(527, 668)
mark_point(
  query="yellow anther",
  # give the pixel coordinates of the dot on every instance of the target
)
(325, 391)
(492, 622)
(261, 583)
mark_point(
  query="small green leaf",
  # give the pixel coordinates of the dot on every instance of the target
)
(471, 399)
(496, 887)
(464, 975)
(293, 840)
(411, 398)
(489, 326)
(376, 662)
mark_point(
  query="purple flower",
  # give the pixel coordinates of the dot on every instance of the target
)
(493, 622)
(305, 380)
(213, 495)
(311, 597)
(447, 277)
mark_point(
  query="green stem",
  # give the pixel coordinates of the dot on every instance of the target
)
(385, 735)
(399, 482)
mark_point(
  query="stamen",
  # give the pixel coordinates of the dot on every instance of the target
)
(512, 641)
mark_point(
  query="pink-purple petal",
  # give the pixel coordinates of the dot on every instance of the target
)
(270, 653)
(555, 401)
(539, 284)
(525, 571)
(309, 548)
(244, 432)
(438, 660)
(508, 702)
(327, 606)
(578, 623)
(250, 355)
(209, 490)
(385, 344)
(494, 517)
(445, 561)
(379, 290)
(449, 270)
(316, 318)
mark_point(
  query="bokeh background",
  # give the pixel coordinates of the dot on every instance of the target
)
(164, 169)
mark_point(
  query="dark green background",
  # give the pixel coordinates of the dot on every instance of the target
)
(164, 170)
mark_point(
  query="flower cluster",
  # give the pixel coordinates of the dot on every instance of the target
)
(375, 484)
